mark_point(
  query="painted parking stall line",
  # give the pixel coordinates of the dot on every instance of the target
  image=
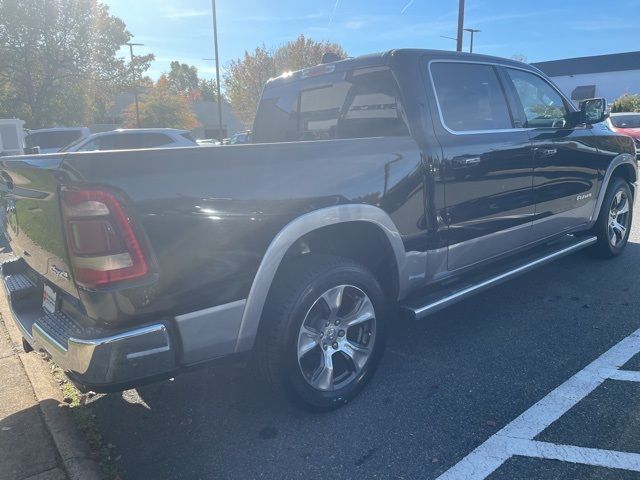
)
(516, 438)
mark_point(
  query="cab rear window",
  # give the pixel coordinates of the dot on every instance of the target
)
(357, 104)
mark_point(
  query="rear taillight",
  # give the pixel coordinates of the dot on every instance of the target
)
(100, 237)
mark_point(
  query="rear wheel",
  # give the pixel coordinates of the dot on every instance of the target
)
(324, 332)
(614, 221)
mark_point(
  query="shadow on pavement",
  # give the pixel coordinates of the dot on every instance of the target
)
(26, 448)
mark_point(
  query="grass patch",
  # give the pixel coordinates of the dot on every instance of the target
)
(86, 420)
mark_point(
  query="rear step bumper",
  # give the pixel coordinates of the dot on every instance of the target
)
(420, 307)
(96, 359)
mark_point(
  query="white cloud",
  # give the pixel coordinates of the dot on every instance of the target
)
(173, 13)
(600, 25)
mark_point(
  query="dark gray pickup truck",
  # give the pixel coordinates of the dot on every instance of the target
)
(395, 182)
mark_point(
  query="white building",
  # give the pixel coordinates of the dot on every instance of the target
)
(608, 76)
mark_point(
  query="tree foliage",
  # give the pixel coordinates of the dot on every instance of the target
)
(626, 103)
(183, 80)
(245, 77)
(162, 108)
(303, 52)
(58, 60)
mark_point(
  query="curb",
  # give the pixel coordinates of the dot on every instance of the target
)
(70, 443)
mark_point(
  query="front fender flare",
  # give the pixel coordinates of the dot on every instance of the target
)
(622, 159)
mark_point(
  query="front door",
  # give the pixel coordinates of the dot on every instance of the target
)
(487, 166)
(566, 160)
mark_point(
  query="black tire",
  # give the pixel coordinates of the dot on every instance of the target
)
(299, 287)
(605, 247)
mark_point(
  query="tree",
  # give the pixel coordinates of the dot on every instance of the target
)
(182, 78)
(209, 90)
(59, 57)
(162, 108)
(303, 52)
(244, 78)
(626, 103)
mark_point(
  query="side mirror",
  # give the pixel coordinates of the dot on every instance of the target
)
(593, 110)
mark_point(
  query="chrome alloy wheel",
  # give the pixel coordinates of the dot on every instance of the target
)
(618, 219)
(336, 337)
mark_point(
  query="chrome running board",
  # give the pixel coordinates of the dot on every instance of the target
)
(418, 308)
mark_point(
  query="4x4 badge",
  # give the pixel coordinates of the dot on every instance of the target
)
(59, 273)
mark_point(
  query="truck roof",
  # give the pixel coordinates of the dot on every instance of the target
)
(381, 58)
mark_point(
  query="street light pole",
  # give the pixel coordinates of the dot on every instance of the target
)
(215, 44)
(135, 85)
(460, 25)
(471, 31)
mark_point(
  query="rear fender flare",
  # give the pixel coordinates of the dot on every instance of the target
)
(294, 231)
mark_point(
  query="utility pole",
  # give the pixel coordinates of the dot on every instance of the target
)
(471, 31)
(460, 25)
(215, 44)
(135, 84)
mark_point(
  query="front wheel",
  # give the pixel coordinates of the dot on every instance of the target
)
(324, 331)
(614, 220)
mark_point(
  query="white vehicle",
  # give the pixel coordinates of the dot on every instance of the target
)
(133, 139)
(51, 140)
(11, 136)
(208, 142)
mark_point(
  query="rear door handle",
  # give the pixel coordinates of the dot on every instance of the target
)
(466, 161)
(545, 152)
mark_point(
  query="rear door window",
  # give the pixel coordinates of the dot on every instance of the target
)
(355, 104)
(470, 97)
(134, 141)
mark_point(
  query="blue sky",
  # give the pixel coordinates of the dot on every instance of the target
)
(540, 29)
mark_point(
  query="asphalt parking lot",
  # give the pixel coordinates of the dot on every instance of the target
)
(446, 387)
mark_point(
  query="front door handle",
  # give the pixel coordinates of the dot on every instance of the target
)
(545, 152)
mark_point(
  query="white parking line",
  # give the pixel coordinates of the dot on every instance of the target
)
(516, 438)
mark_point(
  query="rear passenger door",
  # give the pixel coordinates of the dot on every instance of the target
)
(566, 160)
(487, 163)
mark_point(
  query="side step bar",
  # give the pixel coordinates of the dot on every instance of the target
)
(421, 307)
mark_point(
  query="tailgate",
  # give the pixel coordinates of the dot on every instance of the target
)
(31, 216)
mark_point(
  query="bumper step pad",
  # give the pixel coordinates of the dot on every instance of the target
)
(18, 283)
(59, 327)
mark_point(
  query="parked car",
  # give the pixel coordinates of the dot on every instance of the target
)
(52, 140)
(133, 139)
(627, 124)
(239, 138)
(298, 250)
(208, 142)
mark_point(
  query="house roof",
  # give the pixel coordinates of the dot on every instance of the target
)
(615, 62)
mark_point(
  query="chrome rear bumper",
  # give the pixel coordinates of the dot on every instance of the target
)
(98, 359)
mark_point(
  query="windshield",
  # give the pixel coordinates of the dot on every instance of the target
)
(626, 121)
